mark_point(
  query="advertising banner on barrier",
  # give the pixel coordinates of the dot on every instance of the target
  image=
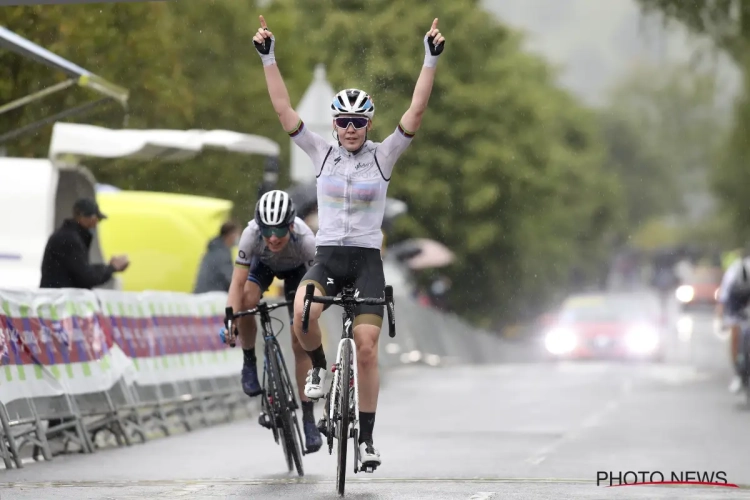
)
(72, 341)
(52, 342)
(170, 337)
(75, 341)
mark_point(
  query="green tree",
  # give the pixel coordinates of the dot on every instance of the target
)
(506, 169)
(129, 44)
(725, 22)
(732, 173)
(648, 185)
(674, 112)
(727, 25)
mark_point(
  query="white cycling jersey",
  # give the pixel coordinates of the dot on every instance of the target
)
(298, 251)
(731, 276)
(351, 187)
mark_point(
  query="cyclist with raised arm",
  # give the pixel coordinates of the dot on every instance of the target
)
(276, 243)
(732, 300)
(352, 174)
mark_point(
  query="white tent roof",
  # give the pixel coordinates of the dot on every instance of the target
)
(72, 141)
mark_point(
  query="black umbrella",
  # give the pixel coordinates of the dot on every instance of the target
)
(305, 198)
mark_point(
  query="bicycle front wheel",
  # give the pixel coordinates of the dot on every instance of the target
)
(342, 433)
(290, 436)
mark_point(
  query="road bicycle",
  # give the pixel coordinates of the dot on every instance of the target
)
(278, 400)
(342, 402)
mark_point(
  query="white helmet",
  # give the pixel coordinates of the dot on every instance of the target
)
(275, 208)
(352, 102)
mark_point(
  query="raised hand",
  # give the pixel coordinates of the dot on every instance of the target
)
(264, 42)
(434, 40)
(434, 44)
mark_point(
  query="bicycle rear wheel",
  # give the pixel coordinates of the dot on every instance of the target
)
(342, 432)
(290, 437)
(292, 424)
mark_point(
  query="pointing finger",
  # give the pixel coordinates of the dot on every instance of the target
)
(434, 24)
(263, 23)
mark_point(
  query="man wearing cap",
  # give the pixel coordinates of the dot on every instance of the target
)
(66, 257)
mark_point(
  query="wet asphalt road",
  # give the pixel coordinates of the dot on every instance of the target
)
(513, 431)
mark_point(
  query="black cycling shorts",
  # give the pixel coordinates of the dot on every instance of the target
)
(263, 276)
(335, 267)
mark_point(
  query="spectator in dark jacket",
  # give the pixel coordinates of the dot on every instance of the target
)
(66, 261)
(215, 273)
(66, 258)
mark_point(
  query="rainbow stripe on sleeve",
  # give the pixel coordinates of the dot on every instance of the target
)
(405, 132)
(297, 130)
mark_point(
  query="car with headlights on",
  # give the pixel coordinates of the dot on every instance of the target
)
(607, 326)
(701, 290)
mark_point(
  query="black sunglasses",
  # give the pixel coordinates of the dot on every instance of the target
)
(358, 122)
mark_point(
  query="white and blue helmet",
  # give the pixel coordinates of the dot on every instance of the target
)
(352, 102)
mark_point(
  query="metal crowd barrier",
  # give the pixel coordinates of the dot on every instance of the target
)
(84, 369)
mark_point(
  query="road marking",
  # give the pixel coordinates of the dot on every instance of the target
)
(187, 490)
(678, 375)
(290, 481)
(591, 421)
(482, 495)
(583, 368)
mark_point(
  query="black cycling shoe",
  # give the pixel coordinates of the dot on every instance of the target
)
(323, 426)
(264, 419)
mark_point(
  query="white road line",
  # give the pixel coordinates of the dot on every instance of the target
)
(592, 420)
(187, 490)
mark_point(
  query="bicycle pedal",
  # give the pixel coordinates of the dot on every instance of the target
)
(265, 421)
(369, 468)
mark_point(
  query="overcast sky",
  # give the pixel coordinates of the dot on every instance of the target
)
(595, 41)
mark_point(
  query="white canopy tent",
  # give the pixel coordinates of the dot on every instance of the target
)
(72, 142)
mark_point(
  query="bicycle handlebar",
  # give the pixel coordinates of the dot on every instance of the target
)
(345, 300)
(230, 315)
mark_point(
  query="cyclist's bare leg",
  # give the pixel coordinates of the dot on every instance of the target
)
(316, 385)
(247, 325)
(302, 365)
(313, 338)
(366, 338)
(368, 378)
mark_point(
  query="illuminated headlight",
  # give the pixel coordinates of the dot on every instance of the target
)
(560, 341)
(685, 294)
(642, 340)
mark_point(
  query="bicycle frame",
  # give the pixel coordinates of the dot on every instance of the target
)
(346, 337)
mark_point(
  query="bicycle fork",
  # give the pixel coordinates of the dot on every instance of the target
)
(352, 406)
(333, 393)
